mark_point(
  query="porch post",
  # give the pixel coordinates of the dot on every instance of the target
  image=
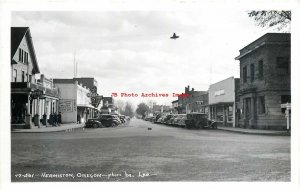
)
(28, 115)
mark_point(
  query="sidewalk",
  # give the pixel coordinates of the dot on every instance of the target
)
(43, 129)
(254, 131)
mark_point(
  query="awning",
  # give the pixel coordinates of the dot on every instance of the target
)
(85, 106)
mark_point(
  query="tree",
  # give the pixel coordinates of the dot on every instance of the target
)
(128, 110)
(278, 19)
(142, 109)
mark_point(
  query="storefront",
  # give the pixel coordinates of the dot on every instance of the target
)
(221, 100)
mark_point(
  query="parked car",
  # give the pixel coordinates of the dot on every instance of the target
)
(160, 119)
(166, 119)
(177, 119)
(181, 121)
(122, 118)
(170, 121)
(198, 121)
(93, 123)
(109, 120)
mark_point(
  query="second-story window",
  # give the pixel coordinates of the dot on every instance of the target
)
(260, 69)
(252, 72)
(282, 64)
(245, 74)
(20, 54)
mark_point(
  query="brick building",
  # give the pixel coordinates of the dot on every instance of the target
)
(265, 81)
(196, 101)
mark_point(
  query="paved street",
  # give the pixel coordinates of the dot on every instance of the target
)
(134, 153)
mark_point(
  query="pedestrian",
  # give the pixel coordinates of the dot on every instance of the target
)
(55, 119)
(78, 119)
(59, 118)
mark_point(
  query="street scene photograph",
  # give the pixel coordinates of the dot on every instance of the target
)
(135, 96)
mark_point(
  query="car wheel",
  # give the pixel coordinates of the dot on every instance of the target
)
(95, 125)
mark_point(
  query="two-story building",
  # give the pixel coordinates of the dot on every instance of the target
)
(75, 104)
(192, 101)
(30, 99)
(265, 72)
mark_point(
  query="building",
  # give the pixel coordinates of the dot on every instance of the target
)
(265, 72)
(221, 100)
(175, 106)
(75, 104)
(192, 101)
(157, 109)
(30, 98)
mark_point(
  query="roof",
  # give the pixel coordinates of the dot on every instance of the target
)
(17, 34)
(64, 81)
(268, 38)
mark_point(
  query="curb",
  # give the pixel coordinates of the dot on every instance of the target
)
(50, 131)
(257, 133)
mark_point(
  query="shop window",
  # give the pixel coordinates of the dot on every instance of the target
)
(282, 64)
(220, 116)
(230, 114)
(285, 99)
(252, 72)
(261, 105)
(245, 74)
(260, 69)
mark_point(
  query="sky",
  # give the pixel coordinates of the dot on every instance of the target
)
(131, 51)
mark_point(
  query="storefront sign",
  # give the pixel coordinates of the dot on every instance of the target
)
(66, 106)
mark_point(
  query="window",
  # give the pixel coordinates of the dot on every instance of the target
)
(199, 102)
(20, 54)
(25, 57)
(15, 75)
(30, 78)
(282, 64)
(23, 76)
(220, 116)
(245, 74)
(285, 99)
(230, 114)
(247, 107)
(252, 72)
(261, 105)
(260, 69)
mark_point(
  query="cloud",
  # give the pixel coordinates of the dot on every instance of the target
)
(131, 50)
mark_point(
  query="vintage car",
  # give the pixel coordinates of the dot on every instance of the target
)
(199, 121)
(123, 118)
(178, 118)
(181, 122)
(109, 120)
(93, 123)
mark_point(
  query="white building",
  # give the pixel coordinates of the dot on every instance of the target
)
(74, 104)
(221, 100)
